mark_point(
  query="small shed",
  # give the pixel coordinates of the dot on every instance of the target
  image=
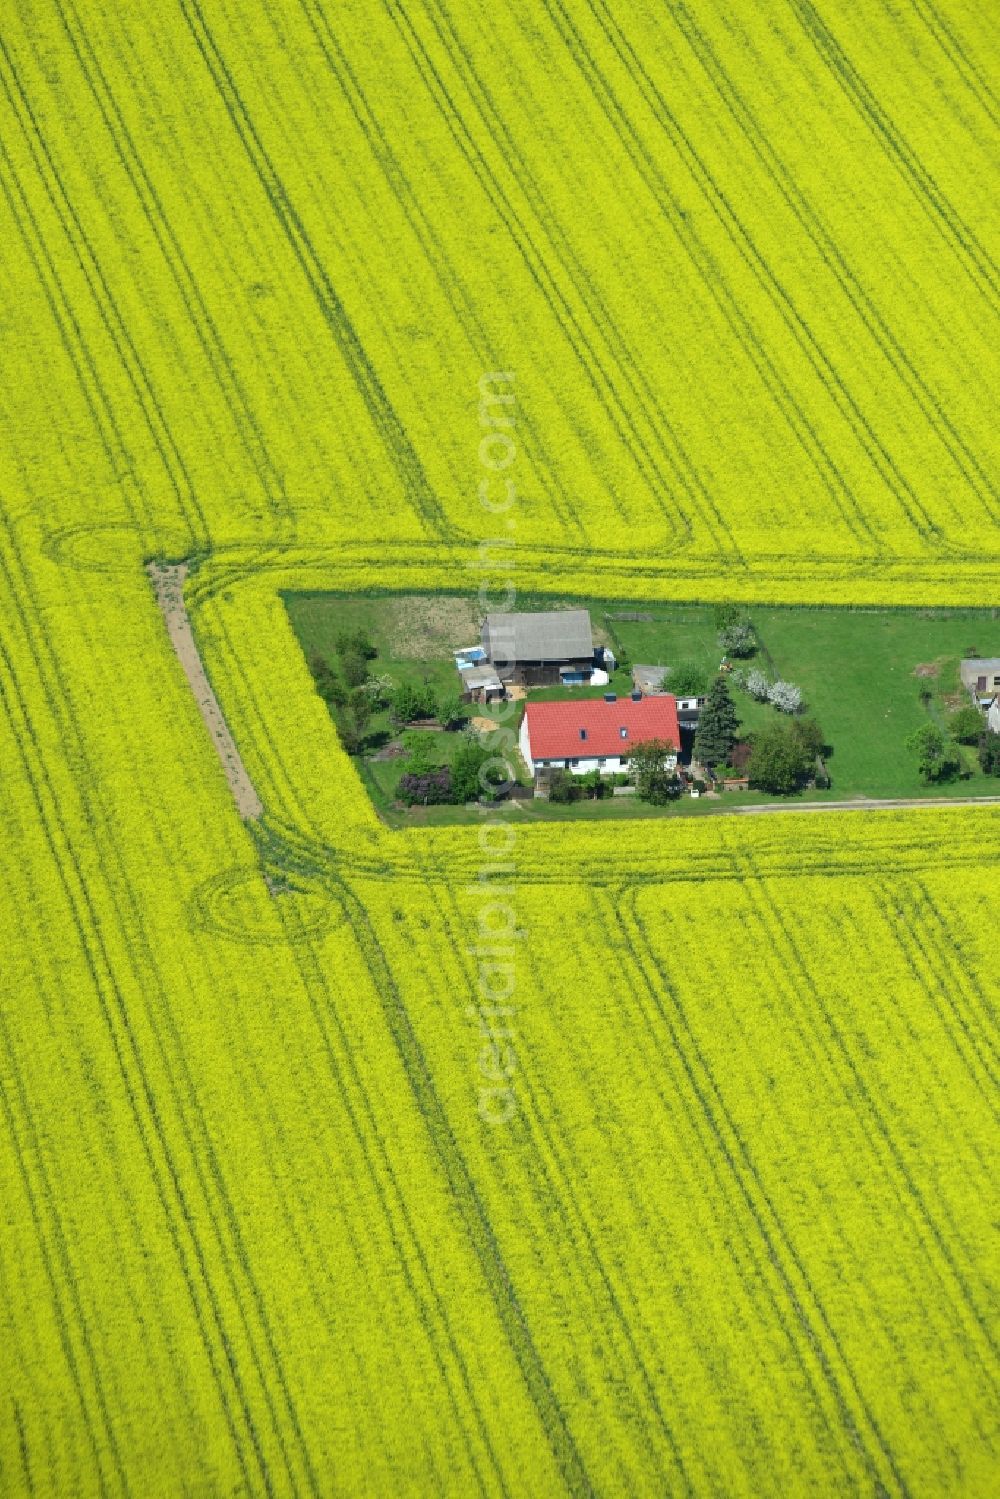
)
(482, 683)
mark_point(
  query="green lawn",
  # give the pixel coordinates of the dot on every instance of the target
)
(856, 669)
(857, 672)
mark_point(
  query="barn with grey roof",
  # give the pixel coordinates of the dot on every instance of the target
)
(540, 649)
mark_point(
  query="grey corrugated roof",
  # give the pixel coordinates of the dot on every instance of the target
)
(555, 635)
(479, 676)
(979, 664)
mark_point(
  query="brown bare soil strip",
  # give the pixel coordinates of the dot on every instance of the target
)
(168, 585)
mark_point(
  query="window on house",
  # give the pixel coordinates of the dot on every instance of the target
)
(623, 732)
(601, 762)
(996, 681)
(583, 733)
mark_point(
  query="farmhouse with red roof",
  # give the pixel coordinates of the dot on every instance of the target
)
(596, 733)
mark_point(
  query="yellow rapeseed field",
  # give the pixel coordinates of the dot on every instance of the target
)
(636, 1157)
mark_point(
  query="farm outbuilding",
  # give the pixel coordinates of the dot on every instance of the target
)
(540, 650)
(981, 677)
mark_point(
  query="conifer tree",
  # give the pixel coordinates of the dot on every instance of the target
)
(717, 725)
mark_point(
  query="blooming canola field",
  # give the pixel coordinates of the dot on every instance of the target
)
(585, 1158)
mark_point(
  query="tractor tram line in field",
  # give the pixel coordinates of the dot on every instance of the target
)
(855, 1413)
(98, 960)
(437, 252)
(878, 1104)
(838, 1054)
(734, 1233)
(977, 261)
(826, 245)
(114, 324)
(708, 270)
(356, 361)
(937, 970)
(495, 1276)
(416, 1264)
(120, 460)
(972, 75)
(468, 1199)
(245, 422)
(87, 918)
(553, 1191)
(603, 382)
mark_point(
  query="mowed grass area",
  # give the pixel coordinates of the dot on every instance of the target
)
(857, 670)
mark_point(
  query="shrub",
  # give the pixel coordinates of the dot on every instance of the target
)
(427, 787)
(966, 726)
(410, 700)
(356, 641)
(469, 769)
(809, 735)
(329, 686)
(355, 668)
(351, 737)
(686, 679)
(420, 753)
(989, 754)
(360, 708)
(738, 639)
(564, 786)
(378, 690)
(449, 708)
(727, 615)
(319, 667)
(785, 696)
(780, 761)
(757, 685)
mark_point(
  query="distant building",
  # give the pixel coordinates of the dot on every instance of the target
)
(981, 677)
(540, 650)
(596, 733)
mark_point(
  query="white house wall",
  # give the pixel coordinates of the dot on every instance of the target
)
(610, 764)
(524, 743)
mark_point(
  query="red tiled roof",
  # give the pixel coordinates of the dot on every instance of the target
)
(554, 728)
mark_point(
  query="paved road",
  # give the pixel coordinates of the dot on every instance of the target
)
(868, 804)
